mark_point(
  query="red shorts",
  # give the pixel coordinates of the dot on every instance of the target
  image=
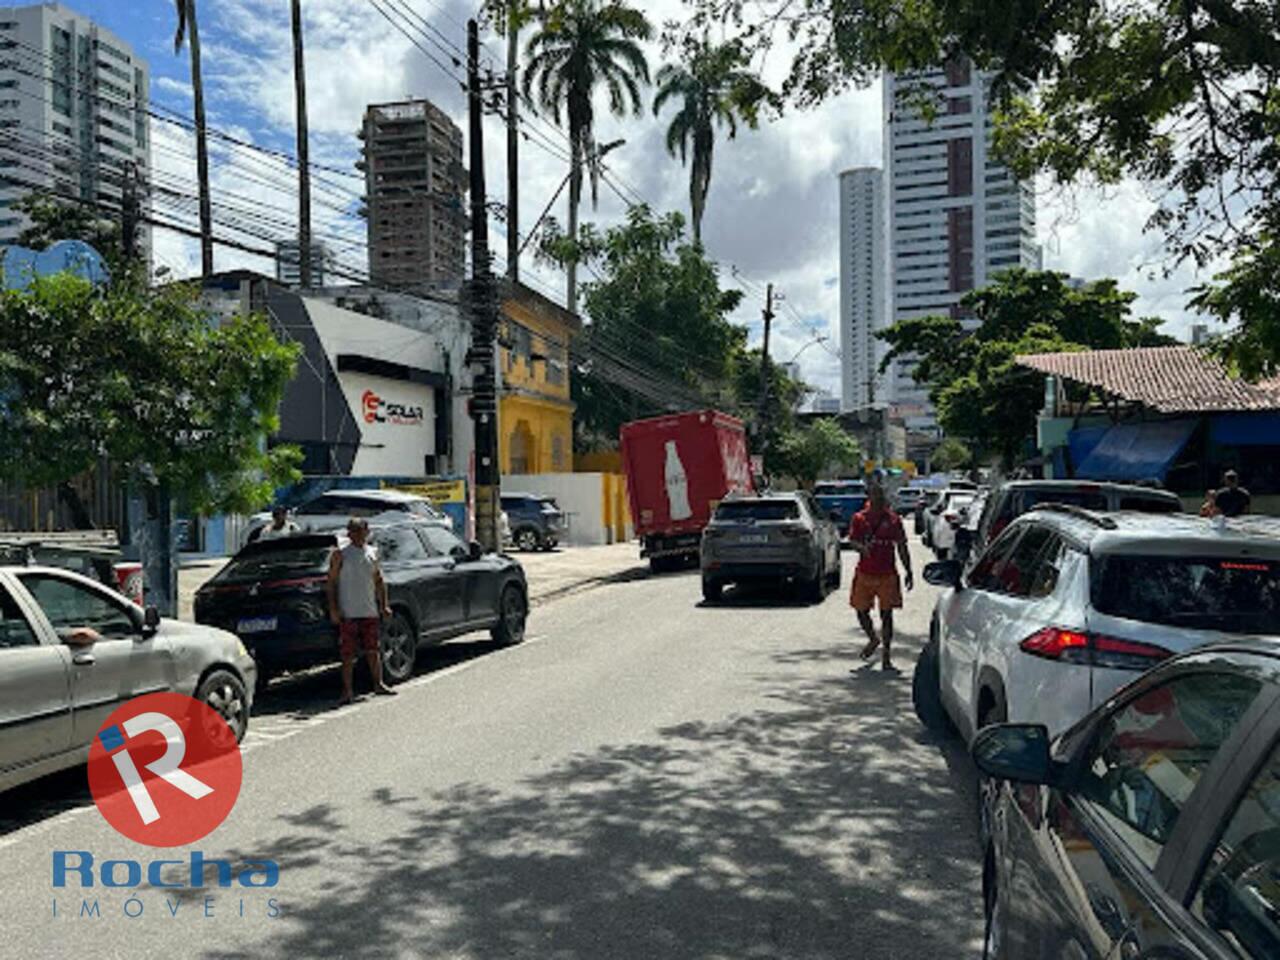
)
(362, 632)
(868, 588)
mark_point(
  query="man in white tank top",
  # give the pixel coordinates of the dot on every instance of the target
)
(357, 604)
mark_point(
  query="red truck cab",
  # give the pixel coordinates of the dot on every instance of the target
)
(678, 468)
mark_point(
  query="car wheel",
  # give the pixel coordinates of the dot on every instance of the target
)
(815, 588)
(994, 943)
(926, 691)
(527, 539)
(942, 553)
(399, 648)
(225, 693)
(712, 589)
(513, 613)
(838, 573)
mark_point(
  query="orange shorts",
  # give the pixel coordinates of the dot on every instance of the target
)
(869, 587)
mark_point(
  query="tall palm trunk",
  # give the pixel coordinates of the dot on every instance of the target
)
(304, 167)
(575, 199)
(202, 143)
(700, 178)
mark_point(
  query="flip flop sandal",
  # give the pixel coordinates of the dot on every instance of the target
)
(871, 647)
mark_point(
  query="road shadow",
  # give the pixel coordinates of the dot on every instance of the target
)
(766, 594)
(818, 827)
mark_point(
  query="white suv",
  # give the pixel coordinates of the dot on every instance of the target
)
(1067, 605)
(942, 519)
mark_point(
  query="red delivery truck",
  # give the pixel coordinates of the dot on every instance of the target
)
(678, 468)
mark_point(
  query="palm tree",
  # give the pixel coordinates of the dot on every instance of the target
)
(583, 44)
(713, 88)
(189, 30)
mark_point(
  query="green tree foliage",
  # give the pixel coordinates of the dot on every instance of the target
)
(580, 46)
(143, 379)
(659, 333)
(952, 454)
(1183, 95)
(980, 391)
(712, 87)
(807, 452)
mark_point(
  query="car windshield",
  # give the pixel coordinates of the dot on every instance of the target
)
(839, 489)
(261, 564)
(758, 510)
(1238, 595)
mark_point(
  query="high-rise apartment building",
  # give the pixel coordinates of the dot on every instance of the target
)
(289, 263)
(415, 191)
(864, 271)
(956, 215)
(73, 112)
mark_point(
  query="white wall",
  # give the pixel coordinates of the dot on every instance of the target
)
(579, 494)
(397, 424)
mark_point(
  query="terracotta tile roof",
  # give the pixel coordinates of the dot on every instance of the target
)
(1179, 379)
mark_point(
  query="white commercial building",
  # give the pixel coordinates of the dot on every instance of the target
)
(956, 215)
(863, 272)
(73, 112)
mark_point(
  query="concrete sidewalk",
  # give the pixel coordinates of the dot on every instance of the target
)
(563, 571)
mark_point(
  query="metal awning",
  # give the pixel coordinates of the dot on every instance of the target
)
(1137, 451)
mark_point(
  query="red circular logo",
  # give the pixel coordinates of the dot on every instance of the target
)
(164, 769)
(371, 402)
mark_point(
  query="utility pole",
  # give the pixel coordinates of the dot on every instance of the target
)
(513, 143)
(304, 166)
(482, 300)
(202, 144)
(129, 213)
(762, 420)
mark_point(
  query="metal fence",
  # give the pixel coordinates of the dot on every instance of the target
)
(28, 508)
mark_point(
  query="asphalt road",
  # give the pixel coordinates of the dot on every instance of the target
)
(645, 778)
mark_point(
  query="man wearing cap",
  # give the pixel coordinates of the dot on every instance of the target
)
(876, 533)
(1232, 500)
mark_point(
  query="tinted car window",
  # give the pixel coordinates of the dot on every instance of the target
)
(1239, 894)
(277, 562)
(1019, 572)
(1150, 504)
(986, 573)
(71, 605)
(440, 541)
(1211, 593)
(1148, 756)
(398, 545)
(14, 629)
(758, 510)
(1088, 499)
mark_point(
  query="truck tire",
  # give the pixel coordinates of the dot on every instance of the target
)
(926, 691)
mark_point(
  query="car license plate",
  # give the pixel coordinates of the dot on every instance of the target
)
(257, 624)
(754, 538)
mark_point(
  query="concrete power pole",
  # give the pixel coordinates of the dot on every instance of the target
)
(304, 167)
(513, 144)
(482, 300)
(765, 380)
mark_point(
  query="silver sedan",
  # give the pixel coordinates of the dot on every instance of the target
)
(72, 650)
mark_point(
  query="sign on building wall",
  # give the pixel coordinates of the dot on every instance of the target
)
(396, 421)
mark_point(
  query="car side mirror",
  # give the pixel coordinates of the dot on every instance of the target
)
(943, 573)
(150, 621)
(1014, 751)
(475, 550)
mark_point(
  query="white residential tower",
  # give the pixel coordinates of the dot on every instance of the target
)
(863, 272)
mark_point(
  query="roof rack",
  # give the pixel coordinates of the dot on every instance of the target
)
(1080, 513)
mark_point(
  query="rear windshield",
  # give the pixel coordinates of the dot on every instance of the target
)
(1089, 499)
(1151, 504)
(839, 489)
(1201, 593)
(758, 510)
(312, 558)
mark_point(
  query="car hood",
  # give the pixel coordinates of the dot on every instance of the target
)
(215, 641)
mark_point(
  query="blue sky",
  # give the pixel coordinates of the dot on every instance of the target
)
(772, 210)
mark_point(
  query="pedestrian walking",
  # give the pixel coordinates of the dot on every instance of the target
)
(357, 604)
(876, 533)
(1232, 500)
(280, 526)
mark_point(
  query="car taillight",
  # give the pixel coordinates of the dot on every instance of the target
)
(1072, 646)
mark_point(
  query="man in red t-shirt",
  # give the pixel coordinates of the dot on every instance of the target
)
(876, 533)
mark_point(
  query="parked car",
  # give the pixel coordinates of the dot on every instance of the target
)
(344, 504)
(1151, 828)
(926, 503)
(906, 499)
(966, 531)
(58, 684)
(1015, 497)
(944, 518)
(273, 595)
(536, 522)
(1067, 605)
(843, 498)
(781, 537)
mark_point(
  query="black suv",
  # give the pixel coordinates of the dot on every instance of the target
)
(273, 596)
(536, 522)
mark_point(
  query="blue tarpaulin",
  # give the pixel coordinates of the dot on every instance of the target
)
(1136, 451)
(1082, 440)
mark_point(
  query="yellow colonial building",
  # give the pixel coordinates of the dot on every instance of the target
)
(535, 412)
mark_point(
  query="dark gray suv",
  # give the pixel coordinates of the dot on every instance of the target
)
(781, 537)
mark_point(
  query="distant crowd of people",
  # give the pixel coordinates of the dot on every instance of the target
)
(1230, 500)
